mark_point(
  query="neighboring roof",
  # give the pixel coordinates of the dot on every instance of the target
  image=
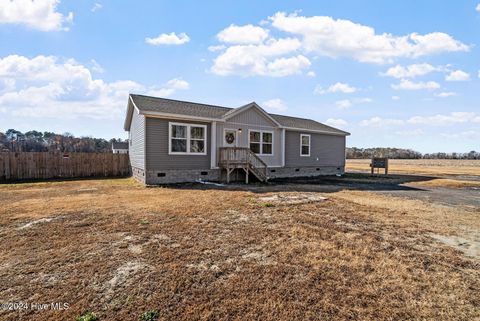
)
(119, 145)
(153, 105)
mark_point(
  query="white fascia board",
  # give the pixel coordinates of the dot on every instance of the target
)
(315, 131)
(181, 117)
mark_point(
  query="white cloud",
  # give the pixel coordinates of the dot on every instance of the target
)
(410, 85)
(251, 51)
(343, 38)
(216, 48)
(287, 66)
(468, 134)
(96, 7)
(347, 103)
(362, 100)
(7, 84)
(395, 97)
(275, 105)
(169, 88)
(46, 86)
(247, 34)
(449, 119)
(336, 88)
(343, 104)
(446, 94)
(311, 74)
(261, 60)
(338, 123)
(178, 83)
(410, 71)
(39, 14)
(457, 75)
(410, 133)
(380, 122)
(96, 66)
(168, 39)
(478, 7)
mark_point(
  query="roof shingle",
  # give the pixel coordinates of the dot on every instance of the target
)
(148, 104)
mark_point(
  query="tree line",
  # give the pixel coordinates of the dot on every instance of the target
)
(35, 141)
(401, 153)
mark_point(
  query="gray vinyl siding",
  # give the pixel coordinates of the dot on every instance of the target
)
(242, 140)
(157, 148)
(325, 150)
(137, 136)
(252, 116)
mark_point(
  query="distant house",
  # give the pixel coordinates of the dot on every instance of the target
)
(173, 141)
(119, 148)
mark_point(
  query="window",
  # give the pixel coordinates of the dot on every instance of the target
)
(197, 139)
(261, 142)
(187, 139)
(304, 145)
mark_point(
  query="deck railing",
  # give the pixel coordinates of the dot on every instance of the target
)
(242, 157)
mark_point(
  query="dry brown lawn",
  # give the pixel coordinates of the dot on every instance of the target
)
(435, 167)
(118, 249)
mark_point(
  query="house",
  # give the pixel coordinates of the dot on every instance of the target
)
(172, 141)
(120, 148)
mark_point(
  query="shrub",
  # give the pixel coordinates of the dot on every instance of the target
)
(150, 316)
(87, 316)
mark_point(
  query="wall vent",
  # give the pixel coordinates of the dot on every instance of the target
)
(203, 173)
(161, 174)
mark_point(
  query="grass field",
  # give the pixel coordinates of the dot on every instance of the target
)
(275, 252)
(436, 167)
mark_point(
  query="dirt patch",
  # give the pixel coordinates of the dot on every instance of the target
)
(470, 247)
(36, 222)
(125, 273)
(291, 199)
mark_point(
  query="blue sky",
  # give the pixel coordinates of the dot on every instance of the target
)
(393, 73)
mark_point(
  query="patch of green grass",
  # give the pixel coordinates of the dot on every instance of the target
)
(151, 315)
(87, 316)
(268, 205)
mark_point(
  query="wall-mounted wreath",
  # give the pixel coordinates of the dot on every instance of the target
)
(230, 137)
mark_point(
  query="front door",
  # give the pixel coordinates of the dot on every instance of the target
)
(230, 137)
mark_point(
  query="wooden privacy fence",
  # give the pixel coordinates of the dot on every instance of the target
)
(43, 165)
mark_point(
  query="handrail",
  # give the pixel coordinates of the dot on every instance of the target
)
(242, 156)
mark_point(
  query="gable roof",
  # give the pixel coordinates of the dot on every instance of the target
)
(119, 145)
(235, 111)
(168, 107)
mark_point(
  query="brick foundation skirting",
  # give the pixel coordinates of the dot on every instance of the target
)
(171, 176)
(283, 172)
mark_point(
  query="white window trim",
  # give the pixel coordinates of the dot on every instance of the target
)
(188, 139)
(261, 140)
(309, 145)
